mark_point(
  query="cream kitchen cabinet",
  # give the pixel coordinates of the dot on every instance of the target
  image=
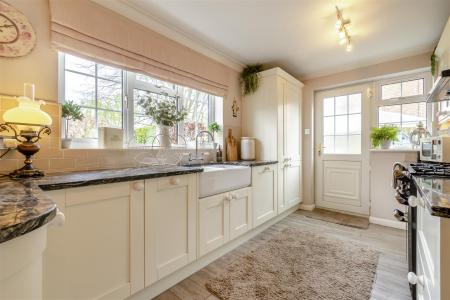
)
(170, 225)
(432, 259)
(264, 191)
(223, 218)
(272, 116)
(99, 252)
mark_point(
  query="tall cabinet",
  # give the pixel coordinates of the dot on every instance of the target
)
(273, 116)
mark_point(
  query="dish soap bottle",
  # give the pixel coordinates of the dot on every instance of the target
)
(219, 157)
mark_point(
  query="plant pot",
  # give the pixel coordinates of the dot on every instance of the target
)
(386, 144)
(65, 143)
(164, 136)
(215, 145)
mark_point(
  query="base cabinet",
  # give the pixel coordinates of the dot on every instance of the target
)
(224, 217)
(170, 225)
(432, 261)
(99, 252)
(264, 191)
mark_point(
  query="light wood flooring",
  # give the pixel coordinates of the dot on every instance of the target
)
(390, 281)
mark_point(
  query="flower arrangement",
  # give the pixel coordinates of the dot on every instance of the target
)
(164, 113)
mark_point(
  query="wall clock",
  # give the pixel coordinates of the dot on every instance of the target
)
(17, 36)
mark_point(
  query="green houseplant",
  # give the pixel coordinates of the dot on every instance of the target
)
(249, 78)
(214, 127)
(384, 136)
(164, 113)
(70, 111)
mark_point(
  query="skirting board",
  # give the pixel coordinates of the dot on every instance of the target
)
(307, 206)
(387, 223)
(169, 281)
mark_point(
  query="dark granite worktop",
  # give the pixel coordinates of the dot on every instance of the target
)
(24, 206)
(436, 194)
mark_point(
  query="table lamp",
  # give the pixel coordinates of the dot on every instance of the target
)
(28, 123)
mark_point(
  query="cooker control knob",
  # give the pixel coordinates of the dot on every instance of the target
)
(412, 201)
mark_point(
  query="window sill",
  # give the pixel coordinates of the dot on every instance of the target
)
(393, 150)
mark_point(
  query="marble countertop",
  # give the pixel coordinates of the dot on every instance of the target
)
(436, 193)
(25, 207)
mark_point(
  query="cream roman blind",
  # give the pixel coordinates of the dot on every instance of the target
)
(85, 28)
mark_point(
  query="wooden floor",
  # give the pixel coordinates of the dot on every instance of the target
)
(390, 281)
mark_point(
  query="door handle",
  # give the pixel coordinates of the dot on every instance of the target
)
(320, 147)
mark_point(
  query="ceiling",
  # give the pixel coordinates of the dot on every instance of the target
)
(300, 35)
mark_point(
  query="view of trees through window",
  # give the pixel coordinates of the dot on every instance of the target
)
(100, 90)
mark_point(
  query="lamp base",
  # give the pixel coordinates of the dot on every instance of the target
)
(26, 173)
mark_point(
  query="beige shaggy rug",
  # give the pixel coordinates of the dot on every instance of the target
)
(299, 264)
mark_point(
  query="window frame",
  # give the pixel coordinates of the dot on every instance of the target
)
(129, 84)
(378, 102)
(87, 142)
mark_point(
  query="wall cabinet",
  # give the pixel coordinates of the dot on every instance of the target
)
(99, 252)
(264, 189)
(224, 217)
(272, 116)
(170, 225)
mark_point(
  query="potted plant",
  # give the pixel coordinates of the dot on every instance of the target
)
(384, 136)
(165, 114)
(213, 128)
(249, 78)
(70, 111)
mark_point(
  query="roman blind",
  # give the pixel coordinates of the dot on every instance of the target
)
(85, 28)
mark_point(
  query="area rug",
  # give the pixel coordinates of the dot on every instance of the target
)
(299, 264)
(338, 218)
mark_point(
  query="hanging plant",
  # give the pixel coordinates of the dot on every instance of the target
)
(433, 64)
(249, 78)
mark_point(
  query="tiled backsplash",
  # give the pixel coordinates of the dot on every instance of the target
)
(51, 158)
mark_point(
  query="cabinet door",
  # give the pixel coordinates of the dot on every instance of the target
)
(264, 190)
(241, 212)
(213, 223)
(170, 222)
(289, 178)
(98, 253)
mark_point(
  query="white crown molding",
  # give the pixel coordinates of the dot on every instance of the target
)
(150, 21)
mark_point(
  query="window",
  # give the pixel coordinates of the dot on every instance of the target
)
(200, 108)
(98, 90)
(342, 124)
(401, 103)
(109, 98)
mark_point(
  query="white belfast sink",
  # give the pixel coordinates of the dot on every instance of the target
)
(216, 179)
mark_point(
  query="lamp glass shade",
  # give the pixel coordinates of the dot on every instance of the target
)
(28, 112)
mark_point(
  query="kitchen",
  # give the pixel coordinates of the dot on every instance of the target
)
(155, 149)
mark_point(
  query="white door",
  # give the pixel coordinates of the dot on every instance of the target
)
(264, 185)
(214, 222)
(170, 225)
(241, 212)
(289, 147)
(341, 152)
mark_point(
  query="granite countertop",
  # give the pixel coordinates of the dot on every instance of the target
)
(436, 194)
(24, 206)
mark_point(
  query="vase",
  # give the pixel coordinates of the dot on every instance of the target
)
(164, 136)
(386, 144)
